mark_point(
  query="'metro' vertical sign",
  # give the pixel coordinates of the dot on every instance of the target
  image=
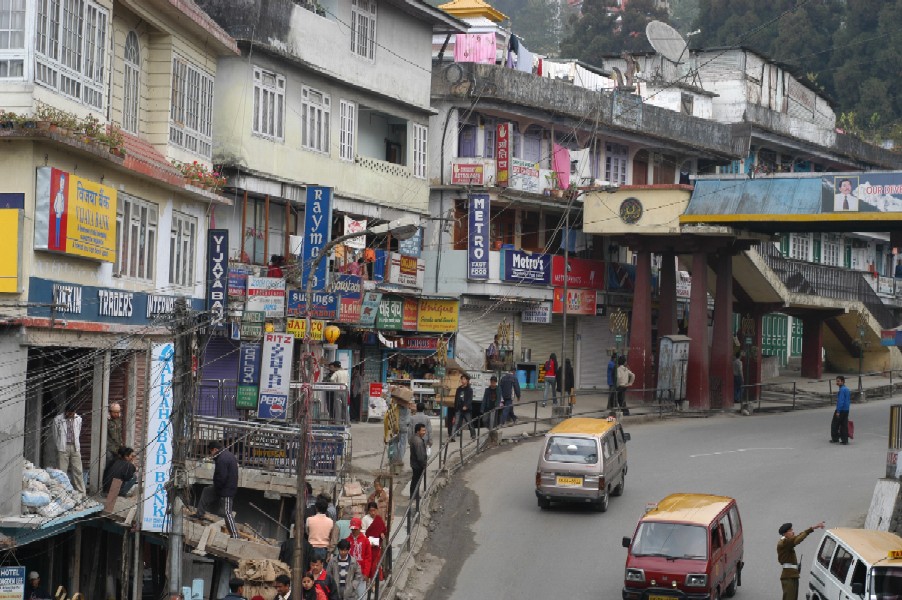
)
(217, 274)
(317, 233)
(478, 240)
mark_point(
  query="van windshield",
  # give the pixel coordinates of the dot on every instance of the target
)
(671, 540)
(564, 449)
(887, 583)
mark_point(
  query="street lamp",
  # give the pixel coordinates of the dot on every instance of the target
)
(402, 228)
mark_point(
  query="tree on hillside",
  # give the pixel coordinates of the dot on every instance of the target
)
(536, 22)
(600, 32)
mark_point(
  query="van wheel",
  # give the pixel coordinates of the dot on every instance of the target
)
(618, 491)
(716, 595)
(544, 503)
(731, 589)
(603, 502)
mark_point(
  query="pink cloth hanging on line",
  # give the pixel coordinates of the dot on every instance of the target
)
(560, 162)
(475, 48)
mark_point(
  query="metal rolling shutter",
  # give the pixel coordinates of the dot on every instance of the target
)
(543, 339)
(595, 343)
(479, 327)
(218, 379)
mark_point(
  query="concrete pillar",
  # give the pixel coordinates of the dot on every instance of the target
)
(812, 342)
(667, 303)
(722, 344)
(697, 384)
(753, 359)
(99, 414)
(639, 359)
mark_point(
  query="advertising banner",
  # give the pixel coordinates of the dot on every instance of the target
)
(349, 310)
(588, 274)
(391, 313)
(502, 154)
(266, 294)
(406, 270)
(217, 273)
(348, 286)
(74, 215)
(478, 238)
(317, 233)
(526, 267)
(325, 304)
(438, 316)
(540, 313)
(418, 343)
(579, 302)
(412, 246)
(297, 327)
(467, 174)
(12, 583)
(370, 308)
(275, 375)
(12, 222)
(238, 281)
(410, 314)
(158, 455)
(355, 226)
(248, 376)
(251, 326)
(524, 176)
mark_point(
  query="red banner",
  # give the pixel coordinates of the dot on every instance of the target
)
(350, 310)
(586, 274)
(502, 154)
(411, 314)
(579, 302)
(418, 343)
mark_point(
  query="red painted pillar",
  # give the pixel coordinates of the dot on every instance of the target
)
(722, 342)
(697, 383)
(812, 342)
(667, 302)
(639, 359)
(752, 362)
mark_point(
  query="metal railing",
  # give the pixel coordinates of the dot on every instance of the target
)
(830, 282)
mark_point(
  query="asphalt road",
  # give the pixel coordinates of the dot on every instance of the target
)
(494, 542)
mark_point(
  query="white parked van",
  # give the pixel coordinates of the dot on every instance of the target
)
(857, 563)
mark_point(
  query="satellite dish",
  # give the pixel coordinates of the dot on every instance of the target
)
(666, 41)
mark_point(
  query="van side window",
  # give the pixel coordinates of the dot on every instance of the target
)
(841, 563)
(617, 443)
(826, 551)
(715, 538)
(734, 520)
(727, 530)
(858, 573)
(620, 439)
(608, 447)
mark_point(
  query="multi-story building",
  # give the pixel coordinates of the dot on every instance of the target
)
(101, 234)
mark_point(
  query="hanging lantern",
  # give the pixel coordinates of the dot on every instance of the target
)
(331, 334)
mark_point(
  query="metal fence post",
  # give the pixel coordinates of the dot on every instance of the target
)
(535, 418)
(793, 395)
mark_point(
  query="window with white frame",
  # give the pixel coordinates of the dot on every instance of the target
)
(69, 48)
(363, 28)
(831, 251)
(420, 134)
(315, 115)
(348, 129)
(191, 108)
(12, 39)
(131, 82)
(182, 242)
(800, 246)
(136, 238)
(269, 104)
(616, 159)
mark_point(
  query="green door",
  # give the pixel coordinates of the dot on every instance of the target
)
(795, 342)
(774, 340)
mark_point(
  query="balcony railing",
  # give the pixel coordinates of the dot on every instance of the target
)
(826, 281)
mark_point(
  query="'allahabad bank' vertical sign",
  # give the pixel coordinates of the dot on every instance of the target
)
(158, 456)
(74, 215)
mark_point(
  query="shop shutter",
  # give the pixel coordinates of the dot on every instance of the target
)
(479, 329)
(218, 379)
(543, 339)
(140, 360)
(594, 350)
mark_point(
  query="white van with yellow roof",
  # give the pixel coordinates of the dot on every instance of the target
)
(583, 460)
(857, 563)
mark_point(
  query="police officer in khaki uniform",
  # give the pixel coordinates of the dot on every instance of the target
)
(786, 556)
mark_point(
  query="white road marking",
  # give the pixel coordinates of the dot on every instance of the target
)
(735, 451)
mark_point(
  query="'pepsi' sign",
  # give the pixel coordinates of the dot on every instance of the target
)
(275, 375)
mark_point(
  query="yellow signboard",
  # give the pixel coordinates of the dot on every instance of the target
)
(297, 327)
(75, 216)
(438, 316)
(10, 251)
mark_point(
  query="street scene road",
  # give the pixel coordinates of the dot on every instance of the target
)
(497, 543)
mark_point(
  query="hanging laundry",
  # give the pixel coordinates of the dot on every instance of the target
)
(525, 60)
(560, 163)
(475, 48)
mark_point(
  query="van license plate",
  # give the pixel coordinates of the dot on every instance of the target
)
(661, 598)
(570, 481)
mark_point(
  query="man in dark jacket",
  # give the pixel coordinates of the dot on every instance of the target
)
(565, 381)
(123, 469)
(225, 485)
(418, 457)
(490, 402)
(510, 389)
(236, 589)
(463, 406)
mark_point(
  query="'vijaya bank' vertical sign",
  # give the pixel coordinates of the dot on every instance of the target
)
(317, 233)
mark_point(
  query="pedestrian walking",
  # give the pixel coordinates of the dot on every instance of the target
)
(225, 485)
(283, 586)
(322, 532)
(418, 415)
(236, 589)
(345, 569)
(309, 591)
(510, 389)
(839, 427)
(340, 375)
(67, 430)
(418, 458)
(625, 379)
(377, 533)
(737, 378)
(565, 381)
(612, 381)
(323, 580)
(380, 497)
(463, 406)
(550, 380)
(490, 402)
(786, 556)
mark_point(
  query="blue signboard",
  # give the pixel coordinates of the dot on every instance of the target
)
(413, 245)
(325, 304)
(370, 308)
(217, 273)
(478, 239)
(248, 376)
(12, 582)
(348, 286)
(526, 267)
(317, 233)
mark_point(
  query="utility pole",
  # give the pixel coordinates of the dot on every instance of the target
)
(182, 390)
(572, 193)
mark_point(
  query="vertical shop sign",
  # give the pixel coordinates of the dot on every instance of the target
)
(275, 375)
(217, 274)
(502, 154)
(317, 233)
(478, 240)
(158, 456)
(248, 376)
(370, 308)
(410, 314)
